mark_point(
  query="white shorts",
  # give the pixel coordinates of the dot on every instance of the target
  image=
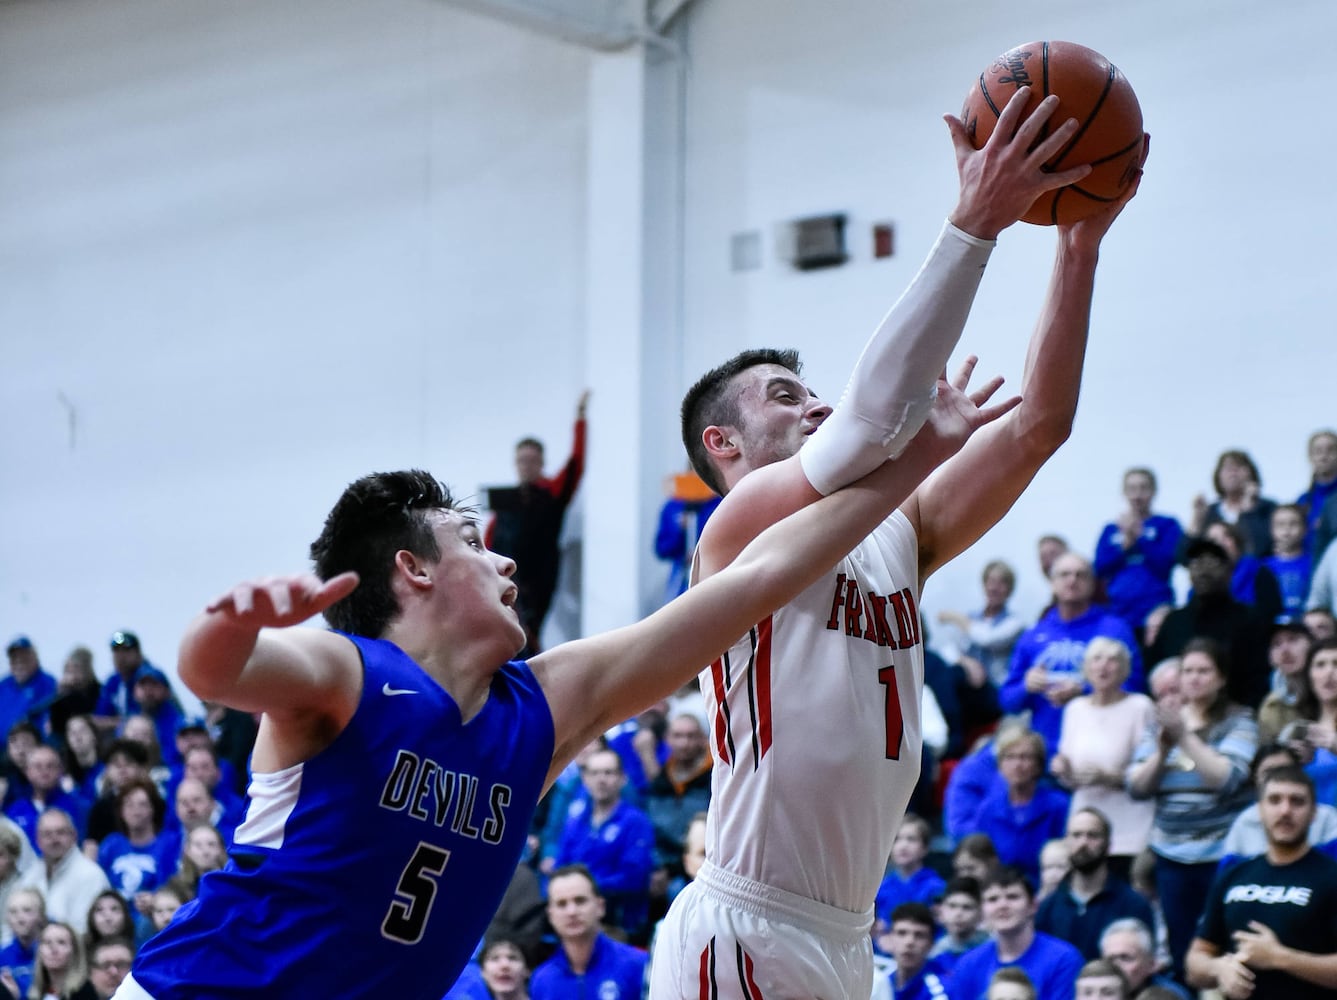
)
(729, 938)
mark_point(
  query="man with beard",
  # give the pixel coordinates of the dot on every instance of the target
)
(1090, 897)
(1269, 928)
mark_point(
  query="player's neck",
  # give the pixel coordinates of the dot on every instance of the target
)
(463, 667)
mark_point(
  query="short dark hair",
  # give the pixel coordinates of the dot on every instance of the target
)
(377, 516)
(714, 401)
(1104, 821)
(961, 885)
(915, 913)
(1006, 876)
(1100, 968)
(136, 751)
(529, 443)
(1292, 774)
(576, 869)
(1265, 751)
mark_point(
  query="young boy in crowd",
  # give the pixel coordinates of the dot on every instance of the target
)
(958, 913)
(915, 976)
(910, 880)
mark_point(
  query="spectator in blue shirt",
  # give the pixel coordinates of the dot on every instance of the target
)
(908, 942)
(1289, 562)
(27, 693)
(45, 773)
(1009, 912)
(1046, 670)
(117, 701)
(1022, 814)
(910, 879)
(1136, 552)
(588, 963)
(153, 692)
(615, 840)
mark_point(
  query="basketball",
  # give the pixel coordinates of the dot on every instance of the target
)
(1091, 89)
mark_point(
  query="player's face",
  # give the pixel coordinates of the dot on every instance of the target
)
(475, 585)
(908, 850)
(573, 908)
(1099, 988)
(959, 914)
(910, 944)
(777, 412)
(504, 968)
(1007, 908)
(1323, 676)
(1122, 948)
(1286, 809)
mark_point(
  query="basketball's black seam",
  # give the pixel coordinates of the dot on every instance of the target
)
(984, 89)
(1090, 117)
(1118, 153)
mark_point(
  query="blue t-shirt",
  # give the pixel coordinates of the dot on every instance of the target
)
(921, 887)
(1292, 573)
(929, 983)
(1051, 964)
(616, 972)
(26, 702)
(373, 868)
(134, 869)
(19, 961)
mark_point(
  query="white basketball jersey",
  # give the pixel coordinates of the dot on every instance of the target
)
(815, 728)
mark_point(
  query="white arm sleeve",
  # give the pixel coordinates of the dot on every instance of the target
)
(895, 381)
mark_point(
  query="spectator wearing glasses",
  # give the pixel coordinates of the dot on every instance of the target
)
(108, 963)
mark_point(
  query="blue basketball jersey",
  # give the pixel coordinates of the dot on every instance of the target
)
(372, 869)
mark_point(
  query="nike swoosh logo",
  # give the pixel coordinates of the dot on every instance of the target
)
(386, 689)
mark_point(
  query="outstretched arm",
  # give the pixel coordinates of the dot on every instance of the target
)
(592, 683)
(970, 493)
(891, 389)
(241, 653)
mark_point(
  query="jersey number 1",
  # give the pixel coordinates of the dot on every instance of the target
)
(895, 721)
(415, 895)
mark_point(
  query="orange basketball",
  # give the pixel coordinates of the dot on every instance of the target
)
(1091, 89)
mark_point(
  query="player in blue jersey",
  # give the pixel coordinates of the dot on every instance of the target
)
(400, 758)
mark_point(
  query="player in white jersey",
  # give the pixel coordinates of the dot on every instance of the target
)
(815, 713)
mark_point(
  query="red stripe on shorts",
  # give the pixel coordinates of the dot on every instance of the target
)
(763, 678)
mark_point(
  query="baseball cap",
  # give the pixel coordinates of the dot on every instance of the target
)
(17, 643)
(148, 673)
(1204, 547)
(124, 640)
(1291, 623)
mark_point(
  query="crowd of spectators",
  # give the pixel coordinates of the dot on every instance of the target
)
(115, 802)
(1098, 773)
(1101, 766)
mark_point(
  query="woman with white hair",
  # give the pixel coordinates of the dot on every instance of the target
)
(1099, 733)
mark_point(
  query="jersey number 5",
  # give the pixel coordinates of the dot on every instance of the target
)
(895, 721)
(415, 894)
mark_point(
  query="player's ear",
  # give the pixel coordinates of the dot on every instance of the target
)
(413, 569)
(720, 442)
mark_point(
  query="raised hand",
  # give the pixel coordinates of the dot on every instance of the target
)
(1088, 232)
(957, 414)
(280, 601)
(1001, 180)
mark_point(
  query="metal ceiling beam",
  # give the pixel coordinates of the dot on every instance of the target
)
(607, 25)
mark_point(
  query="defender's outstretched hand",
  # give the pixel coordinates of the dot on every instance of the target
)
(957, 414)
(1000, 181)
(280, 601)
